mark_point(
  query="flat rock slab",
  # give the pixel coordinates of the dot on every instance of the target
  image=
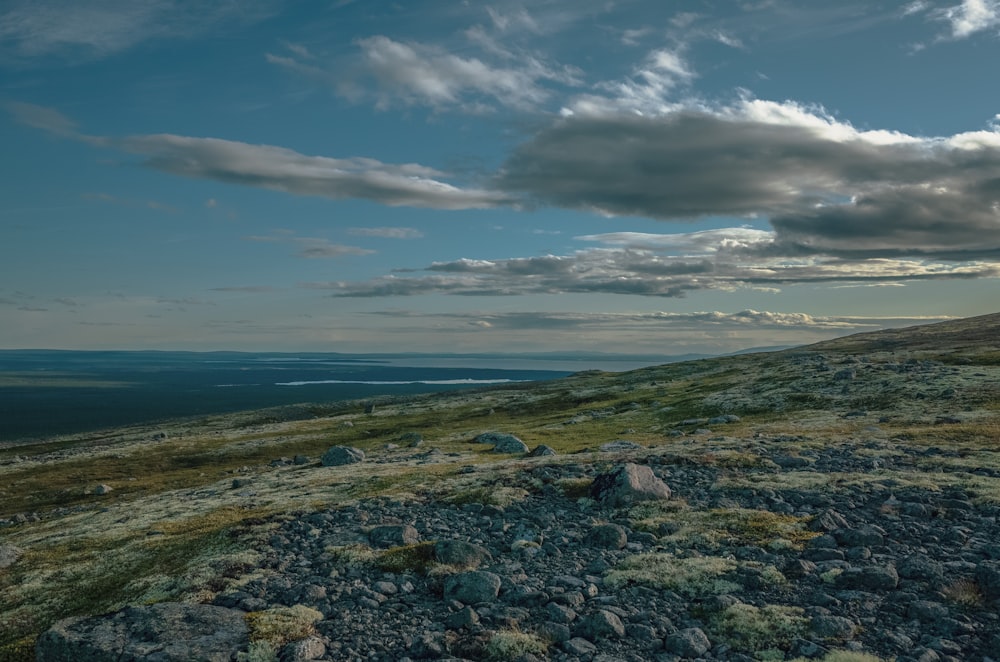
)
(341, 455)
(166, 632)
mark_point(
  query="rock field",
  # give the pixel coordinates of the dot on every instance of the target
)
(835, 503)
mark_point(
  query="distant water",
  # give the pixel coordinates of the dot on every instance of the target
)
(45, 392)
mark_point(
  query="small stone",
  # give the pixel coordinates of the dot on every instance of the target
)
(241, 482)
(542, 451)
(300, 460)
(103, 489)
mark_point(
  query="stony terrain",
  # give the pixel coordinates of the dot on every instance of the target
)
(835, 502)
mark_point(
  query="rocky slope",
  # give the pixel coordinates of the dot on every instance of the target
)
(834, 502)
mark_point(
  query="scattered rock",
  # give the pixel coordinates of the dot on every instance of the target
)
(103, 489)
(619, 445)
(393, 535)
(341, 455)
(165, 632)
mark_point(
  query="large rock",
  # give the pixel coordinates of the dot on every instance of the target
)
(627, 484)
(502, 442)
(472, 587)
(461, 554)
(166, 632)
(340, 455)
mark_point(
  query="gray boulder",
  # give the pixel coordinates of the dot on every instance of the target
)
(607, 536)
(9, 555)
(472, 587)
(690, 642)
(502, 442)
(461, 554)
(601, 624)
(541, 451)
(340, 455)
(165, 632)
(627, 484)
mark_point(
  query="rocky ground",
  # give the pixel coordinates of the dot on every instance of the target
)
(834, 505)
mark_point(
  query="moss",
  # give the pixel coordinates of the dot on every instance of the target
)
(692, 577)
(281, 625)
(489, 496)
(749, 628)
(725, 526)
(574, 488)
(842, 656)
(407, 558)
(511, 644)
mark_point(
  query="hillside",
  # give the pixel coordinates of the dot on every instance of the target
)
(838, 497)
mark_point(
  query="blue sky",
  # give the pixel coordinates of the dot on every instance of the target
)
(617, 176)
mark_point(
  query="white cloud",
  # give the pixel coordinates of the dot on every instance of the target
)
(972, 16)
(386, 233)
(99, 28)
(422, 74)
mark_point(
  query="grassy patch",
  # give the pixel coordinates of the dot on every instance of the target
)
(691, 577)
(727, 526)
(281, 625)
(407, 558)
(754, 629)
(511, 644)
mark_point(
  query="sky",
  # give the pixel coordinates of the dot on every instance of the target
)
(619, 176)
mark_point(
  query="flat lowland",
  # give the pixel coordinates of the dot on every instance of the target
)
(838, 501)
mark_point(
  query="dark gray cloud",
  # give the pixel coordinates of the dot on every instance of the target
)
(827, 187)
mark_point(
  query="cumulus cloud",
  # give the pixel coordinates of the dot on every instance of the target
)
(972, 16)
(827, 187)
(97, 28)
